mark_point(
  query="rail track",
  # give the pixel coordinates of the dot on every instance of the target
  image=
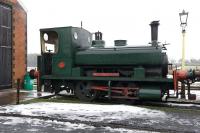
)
(179, 104)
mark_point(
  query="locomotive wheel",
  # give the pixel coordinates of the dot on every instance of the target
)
(83, 92)
(70, 88)
(59, 86)
(47, 86)
(56, 88)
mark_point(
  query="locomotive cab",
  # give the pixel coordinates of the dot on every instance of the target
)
(49, 46)
(58, 46)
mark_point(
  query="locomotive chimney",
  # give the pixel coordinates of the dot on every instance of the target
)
(154, 32)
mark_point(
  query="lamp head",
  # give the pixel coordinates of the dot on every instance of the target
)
(183, 19)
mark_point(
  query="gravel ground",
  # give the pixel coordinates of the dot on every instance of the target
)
(75, 117)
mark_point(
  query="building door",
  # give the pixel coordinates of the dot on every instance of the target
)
(5, 47)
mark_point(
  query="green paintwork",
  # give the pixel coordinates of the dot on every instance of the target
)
(155, 80)
(61, 71)
(98, 43)
(67, 46)
(139, 73)
(119, 56)
(150, 93)
(76, 72)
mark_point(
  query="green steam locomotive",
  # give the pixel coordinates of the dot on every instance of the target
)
(72, 60)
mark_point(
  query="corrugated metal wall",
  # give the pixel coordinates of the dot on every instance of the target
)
(5, 46)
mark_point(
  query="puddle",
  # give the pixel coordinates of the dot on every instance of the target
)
(10, 97)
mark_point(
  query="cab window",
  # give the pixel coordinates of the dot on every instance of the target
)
(49, 42)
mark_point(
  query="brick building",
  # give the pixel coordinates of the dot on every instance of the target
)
(13, 42)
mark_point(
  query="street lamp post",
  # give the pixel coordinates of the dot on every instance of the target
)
(183, 19)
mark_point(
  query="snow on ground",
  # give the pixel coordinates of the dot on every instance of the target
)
(197, 92)
(37, 125)
(183, 105)
(196, 84)
(80, 117)
(34, 94)
(84, 112)
(65, 126)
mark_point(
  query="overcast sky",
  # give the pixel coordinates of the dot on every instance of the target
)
(119, 19)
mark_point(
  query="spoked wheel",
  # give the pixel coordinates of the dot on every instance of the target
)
(83, 91)
(69, 87)
(55, 87)
(47, 86)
